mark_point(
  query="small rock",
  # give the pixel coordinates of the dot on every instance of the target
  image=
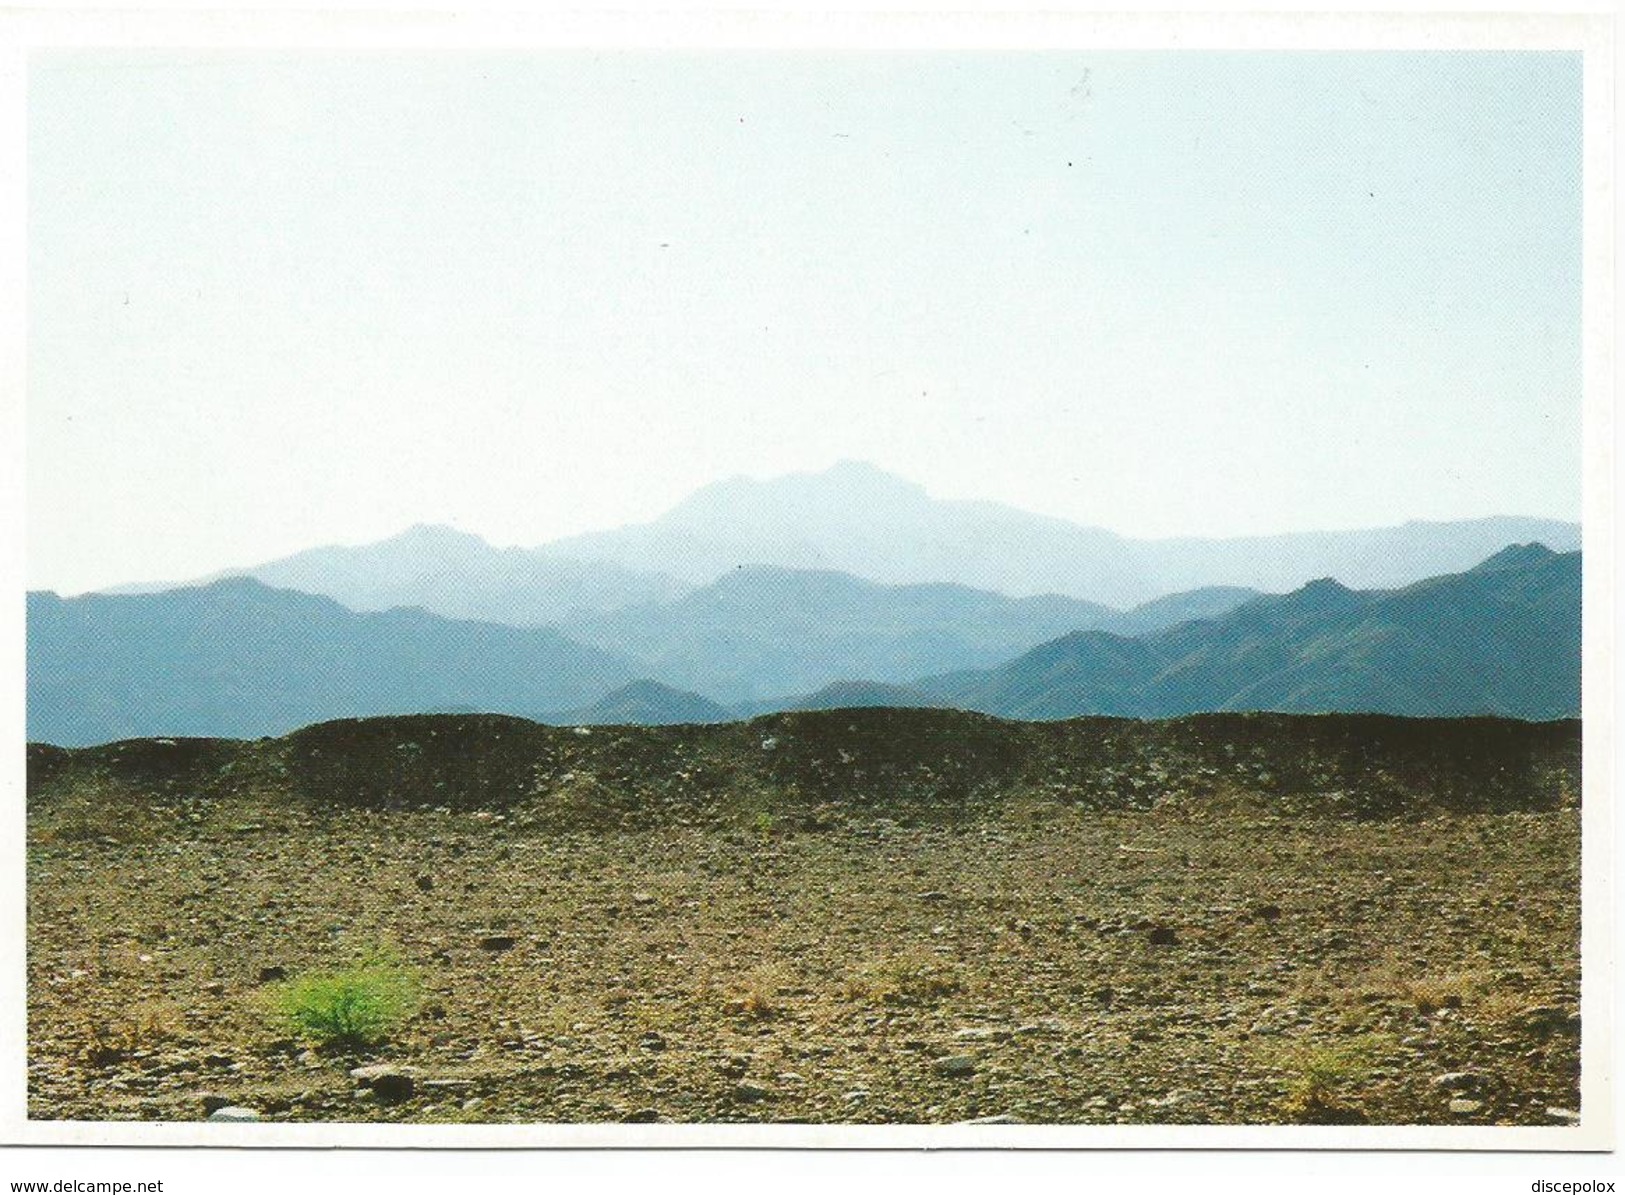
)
(214, 988)
(273, 974)
(1003, 1118)
(770, 744)
(642, 898)
(231, 1114)
(497, 943)
(213, 1104)
(583, 731)
(750, 1093)
(934, 895)
(975, 1034)
(1267, 913)
(955, 1065)
(393, 1088)
(425, 883)
(1457, 1081)
(653, 1041)
(1465, 1107)
(1563, 1115)
(389, 1084)
(1162, 935)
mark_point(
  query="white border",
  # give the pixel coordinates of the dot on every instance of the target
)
(1590, 34)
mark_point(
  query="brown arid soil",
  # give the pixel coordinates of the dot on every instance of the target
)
(853, 916)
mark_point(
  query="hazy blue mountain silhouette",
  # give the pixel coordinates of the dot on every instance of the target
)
(645, 703)
(1501, 638)
(763, 631)
(238, 658)
(858, 519)
(851, 695)
(456, 575)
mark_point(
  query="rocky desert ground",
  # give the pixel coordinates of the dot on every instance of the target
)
(852, 916)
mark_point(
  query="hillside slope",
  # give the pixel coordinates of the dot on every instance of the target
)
(237, 658)
(1502, 638)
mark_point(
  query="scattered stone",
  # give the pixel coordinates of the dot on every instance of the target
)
(935, 895)
(1162, 935)
(389, 1084)
(234, 1115)
(642, 898)
(273, 974)
(642, 1116)
(1563, 1116)
(425, 883)
(1461, 1107)
(393, 1088)
(497, 943)
(750, 1093)
(955, 1065)
(770, 744)
(1002, 1118)
(653, 1041)
(974, 1034)
(214, 988)
(1545, 1019)
(1457, 1081)
(213, 1103)
(1269, 913)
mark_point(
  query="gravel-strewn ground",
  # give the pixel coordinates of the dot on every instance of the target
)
(1037, 960)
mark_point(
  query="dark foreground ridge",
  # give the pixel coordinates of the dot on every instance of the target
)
(813, 767)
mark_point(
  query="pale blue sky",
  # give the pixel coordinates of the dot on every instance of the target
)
(281, 301)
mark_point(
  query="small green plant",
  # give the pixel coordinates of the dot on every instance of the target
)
(349, 1009)
(1318, 1091)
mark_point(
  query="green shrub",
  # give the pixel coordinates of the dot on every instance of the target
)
(1318, 1093)
(348, 1009)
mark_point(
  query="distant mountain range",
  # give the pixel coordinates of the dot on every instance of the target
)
(762, 631)
(239, 659)
(859, 520)
(456, 575)
(1501, 638)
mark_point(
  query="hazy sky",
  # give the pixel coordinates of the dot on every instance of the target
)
(282, 301)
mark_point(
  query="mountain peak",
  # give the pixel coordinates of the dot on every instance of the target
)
(436, 535)
(1515, 556)
(1324, 587)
